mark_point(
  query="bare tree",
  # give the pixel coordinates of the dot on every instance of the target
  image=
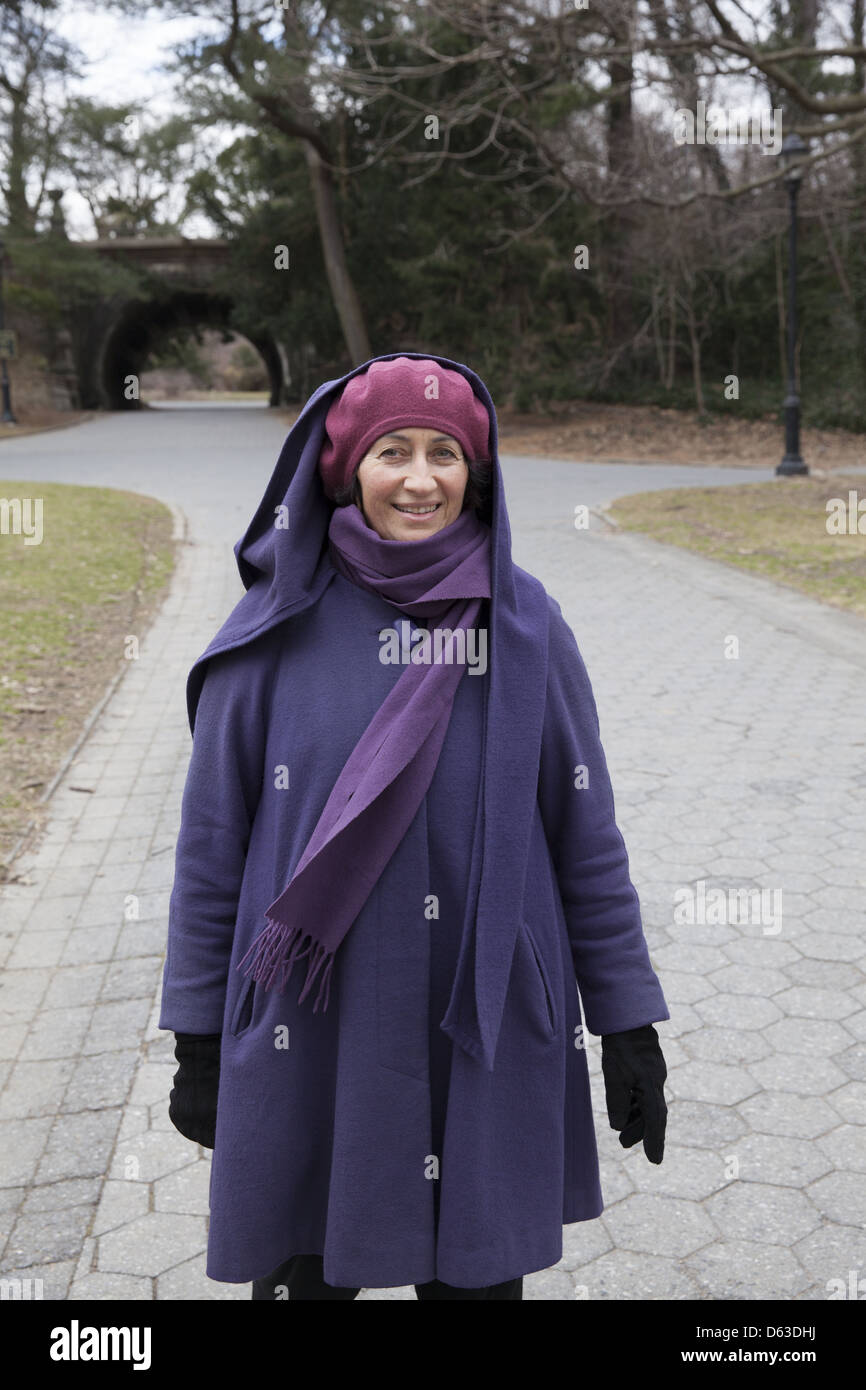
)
(30, 57)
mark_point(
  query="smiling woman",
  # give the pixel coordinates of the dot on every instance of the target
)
(389, 883)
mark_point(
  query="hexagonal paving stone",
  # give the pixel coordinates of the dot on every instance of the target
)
(189, 1281)
(702, 934)
(703, 1126)
(120, 1203)
(801, 1001)
(850, 1101)
(746, 1269)
(684, 1172)
(847, 901)
(658, 1225)
(855, 1024)
(787, 1162)
(841, 1197)
(829, 946)
(682, 987)
(549, 1285)
(853, 1061)
(826, 974)
(46, 1237)
(153, 1081)
(803, 1075)
(615, 1181)
(79, 1145)
(152, 1244)
(134, 1122)
(582, 1241)
(747, 979)
(737, 1011)
(846, 1147)
(799, 1117)
(711, 1081)
(159, 1117)
(763, 1213)
(689, 957)
(769, 952)
(145, 1157)
(817, 1037)
(685, 1019)
(630, 1275)
(95, 1288)
(730, 1045)
(818, 862)
(831, 1254)
(186, 1191)
(55, 1277)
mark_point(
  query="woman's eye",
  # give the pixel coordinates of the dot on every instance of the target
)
(393, 450)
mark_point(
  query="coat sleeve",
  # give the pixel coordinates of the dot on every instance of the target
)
(618, 986)
(220, 797)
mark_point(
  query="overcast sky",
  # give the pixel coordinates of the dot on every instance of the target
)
(124, 57)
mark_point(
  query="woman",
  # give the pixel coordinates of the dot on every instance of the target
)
(397, 864)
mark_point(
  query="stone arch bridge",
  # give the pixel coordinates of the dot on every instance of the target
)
(183, 280)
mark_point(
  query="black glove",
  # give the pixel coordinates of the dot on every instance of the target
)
(192, 1103)
(634, 1074)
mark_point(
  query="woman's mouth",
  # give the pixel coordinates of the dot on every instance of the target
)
(426, 510)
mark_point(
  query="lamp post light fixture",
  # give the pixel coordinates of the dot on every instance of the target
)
(793, 149)
(6, 418)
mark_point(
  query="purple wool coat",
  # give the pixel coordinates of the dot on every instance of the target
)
(365, 1133)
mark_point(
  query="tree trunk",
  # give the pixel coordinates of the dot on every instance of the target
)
(857, 243)
(695, 344)
(657, 334)
(21, 218)
(686, 85)
(672, 339)
(619, 225)
(345, 297)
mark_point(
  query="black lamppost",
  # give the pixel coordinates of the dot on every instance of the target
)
(793, 149)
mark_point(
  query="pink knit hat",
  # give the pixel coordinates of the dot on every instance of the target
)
(405, 391)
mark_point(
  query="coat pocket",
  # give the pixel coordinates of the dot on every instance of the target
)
(243, 1014)
(544, 978)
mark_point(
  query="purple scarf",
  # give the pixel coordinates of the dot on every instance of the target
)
(376, 796)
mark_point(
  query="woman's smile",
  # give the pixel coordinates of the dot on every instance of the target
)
(410, 509)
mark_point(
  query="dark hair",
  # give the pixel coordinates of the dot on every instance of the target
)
(477, 493)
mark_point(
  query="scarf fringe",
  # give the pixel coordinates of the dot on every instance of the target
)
(274, 953)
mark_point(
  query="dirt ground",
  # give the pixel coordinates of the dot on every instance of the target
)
(652, 434)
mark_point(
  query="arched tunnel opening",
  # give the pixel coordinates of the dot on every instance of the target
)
(143, 325)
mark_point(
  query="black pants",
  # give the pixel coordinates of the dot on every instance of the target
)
(302, 1277)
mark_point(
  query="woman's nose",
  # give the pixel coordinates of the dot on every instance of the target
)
(419, 470)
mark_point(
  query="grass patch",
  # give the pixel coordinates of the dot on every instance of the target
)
(67, 605)
(777, 529)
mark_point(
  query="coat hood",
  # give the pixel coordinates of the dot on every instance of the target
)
(283, 555)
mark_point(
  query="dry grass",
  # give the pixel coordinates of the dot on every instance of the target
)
(66, 608)
(776, 529)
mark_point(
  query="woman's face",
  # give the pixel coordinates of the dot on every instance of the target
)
(412, 483)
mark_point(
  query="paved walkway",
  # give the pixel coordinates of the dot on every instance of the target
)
(743, 774)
